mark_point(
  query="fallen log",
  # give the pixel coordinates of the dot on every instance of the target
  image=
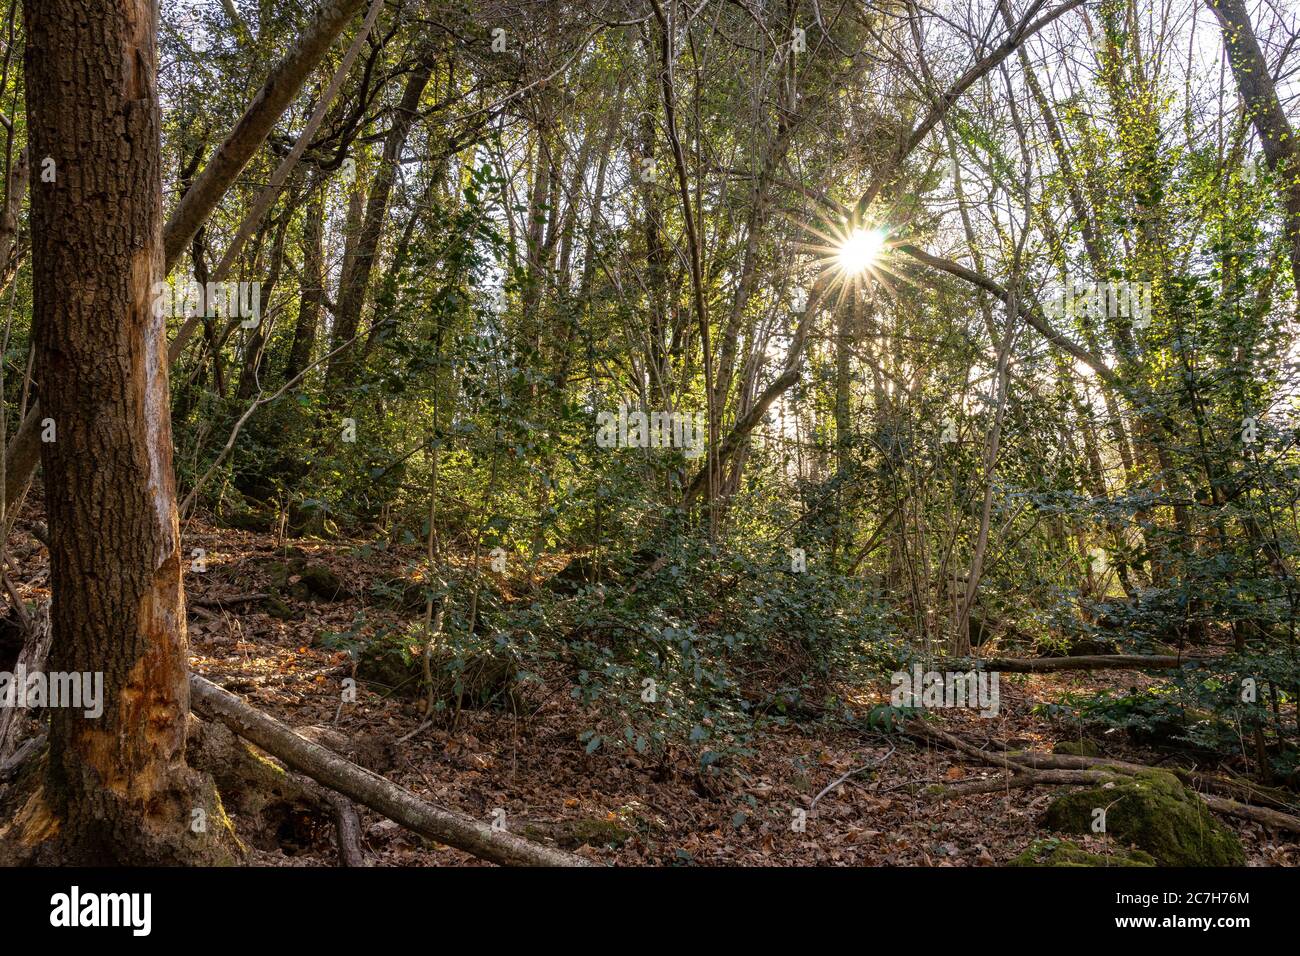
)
(1269, 818)
(1092, 662)
(36, 646)
(347, 822)
(1027, 778)
(395, 802)
(223, 602)
(347, 827)
(1022, 767)
(1235, 789)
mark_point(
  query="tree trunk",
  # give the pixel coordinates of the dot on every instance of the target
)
(1276, 136)
(355, 282)
(313, 284)
(281, 86)
(117, 789)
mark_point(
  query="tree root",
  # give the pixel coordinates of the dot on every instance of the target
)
(1034, 769)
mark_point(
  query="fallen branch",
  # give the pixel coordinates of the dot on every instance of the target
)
(31, 659)
(347, 826)
(347, 822)
(1027, 778)
(1269, 818)
(845, 776)
(1093, 662)
(1239, 790)
(233, 601)
(395, 802)
(1024, 775)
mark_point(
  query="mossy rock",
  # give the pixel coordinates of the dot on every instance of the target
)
(275, 606)
(411, 597)
(1156, 813)
(259, 522)
(1089, 646)
(582, 571)
(313, 522)
(392, 666)
(1076, 748)
(475, 681)
(592, 831)
(306, 580)
(1052, 852)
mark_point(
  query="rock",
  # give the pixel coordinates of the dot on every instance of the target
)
(305, 580)
(1053, 852)
(322, 582)
(581, 571)
(588, 570)
(310, 522)
(571, 834)
(1087, 647)
(259, 522)
(278, 609)
(1076, 748)
(392, 666)
(1155, 812)
(475, 681)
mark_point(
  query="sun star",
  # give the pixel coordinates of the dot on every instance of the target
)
(859, 249)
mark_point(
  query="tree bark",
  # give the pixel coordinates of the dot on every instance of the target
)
(116, 788)
(313, 284)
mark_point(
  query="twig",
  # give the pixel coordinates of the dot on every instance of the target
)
(835, 783)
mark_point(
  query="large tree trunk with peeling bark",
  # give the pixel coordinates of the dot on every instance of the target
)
(117, 788)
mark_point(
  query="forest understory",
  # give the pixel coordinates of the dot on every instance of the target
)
(870, 793)
(650, 432)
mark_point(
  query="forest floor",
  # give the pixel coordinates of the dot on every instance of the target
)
(619, 808)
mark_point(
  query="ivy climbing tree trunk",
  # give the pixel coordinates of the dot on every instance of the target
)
(1276, 135)
(117, 788)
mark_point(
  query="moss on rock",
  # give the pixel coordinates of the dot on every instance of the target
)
(590, 831)
(305, 580)
(1053, 852)
(1076, 748)
(472, 681)
(1156, 813)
